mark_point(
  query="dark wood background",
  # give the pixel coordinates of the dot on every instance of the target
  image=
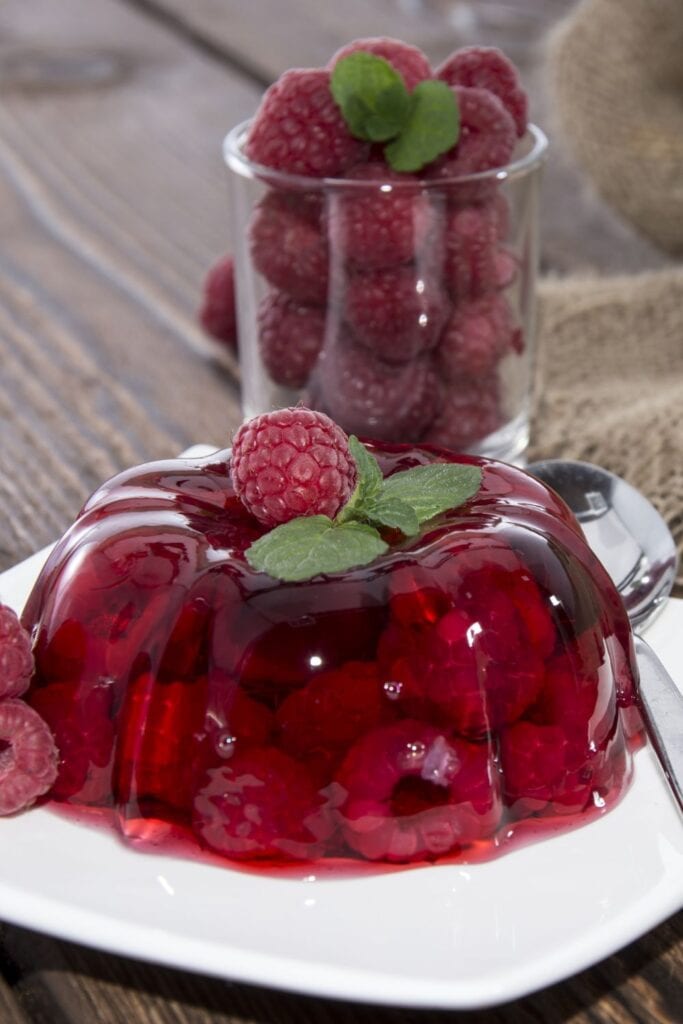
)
(113, 202)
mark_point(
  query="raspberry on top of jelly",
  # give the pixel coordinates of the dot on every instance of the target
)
(463, 685)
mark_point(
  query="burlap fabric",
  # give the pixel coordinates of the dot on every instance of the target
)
(610, 386)
(611, 382)
(617, 81)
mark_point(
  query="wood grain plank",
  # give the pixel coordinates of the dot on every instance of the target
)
(129, 172)
(10, 1011)
(112, 205)
(640, 985)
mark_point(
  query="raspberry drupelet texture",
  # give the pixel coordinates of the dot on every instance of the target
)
(261, 803)
(299, 128)
(485, 67)
(469, 412)
(319, 722)
(377, 399)
(487, 139)
(478, 334)
(414, 792)
(290, 463)
(16, 659)
(217, 314)
(28, 756)
(290, 338)
(380, 227)
(471, 251)
(288, 246)
(410, 62)
(397, 312)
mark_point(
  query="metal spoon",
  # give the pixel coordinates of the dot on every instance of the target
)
(636, 548)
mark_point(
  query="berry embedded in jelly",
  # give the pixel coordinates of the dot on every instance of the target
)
(466, 684)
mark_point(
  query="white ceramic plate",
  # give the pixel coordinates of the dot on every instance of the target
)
(441, 936)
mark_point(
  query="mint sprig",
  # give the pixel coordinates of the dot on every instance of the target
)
(432, 128)
(377, 107)
(371, 95)
(312, 545)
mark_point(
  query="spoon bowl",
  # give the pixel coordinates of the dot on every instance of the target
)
(637, 549)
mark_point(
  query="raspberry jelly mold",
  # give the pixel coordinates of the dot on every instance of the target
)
(471, 685)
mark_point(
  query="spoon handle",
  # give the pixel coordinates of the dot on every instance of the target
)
(662, 707)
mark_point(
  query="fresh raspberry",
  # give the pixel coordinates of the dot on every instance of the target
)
(374, 227)
(157, 741)
(469, 413)
(480, 663)
(236, 720)
(485, 67)
(487, 139)
(16, 659)
(478, 334)
(79, 716)
(321, 720)
(28, 756)
(473, 264)
(398, 313)
(416, 597)
(415, 793)
(506, 267)
(290, 338)
(410, 62)
(500, 214)
(375, 399)
(576, 694)
(546, 771)
(299, 129)
(292, 462)
(185, 646)
(218, 314)
(261, 804)
(288, 247)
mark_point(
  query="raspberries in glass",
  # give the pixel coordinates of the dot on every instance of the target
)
(372, 277)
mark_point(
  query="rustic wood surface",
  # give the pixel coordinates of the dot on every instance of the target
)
(112, 205)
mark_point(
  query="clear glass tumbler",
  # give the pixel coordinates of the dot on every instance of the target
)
(402, 307)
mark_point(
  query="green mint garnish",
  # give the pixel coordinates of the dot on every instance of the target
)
(432, 128)
(396, 514)
(371, 95)
(369, 481)
(305, 547)
(312, 545)
(377, 107)
(430, 490)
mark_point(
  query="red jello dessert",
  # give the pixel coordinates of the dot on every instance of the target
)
(469, 683)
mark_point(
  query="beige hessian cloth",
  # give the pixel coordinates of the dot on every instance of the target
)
(611, 382)
(611, 349)
(616, 70)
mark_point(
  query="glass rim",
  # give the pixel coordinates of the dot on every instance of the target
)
(235, 158)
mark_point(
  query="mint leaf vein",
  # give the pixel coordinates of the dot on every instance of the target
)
(312, 545)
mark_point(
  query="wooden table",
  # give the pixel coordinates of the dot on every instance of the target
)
(112, 205)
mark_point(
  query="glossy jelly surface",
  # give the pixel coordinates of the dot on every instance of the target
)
(472, 682)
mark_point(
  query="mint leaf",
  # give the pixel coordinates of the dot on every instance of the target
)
(310, 545)
(368, 484)
(432, 489)
(432, 128)
(371, 95)
(394, 513)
